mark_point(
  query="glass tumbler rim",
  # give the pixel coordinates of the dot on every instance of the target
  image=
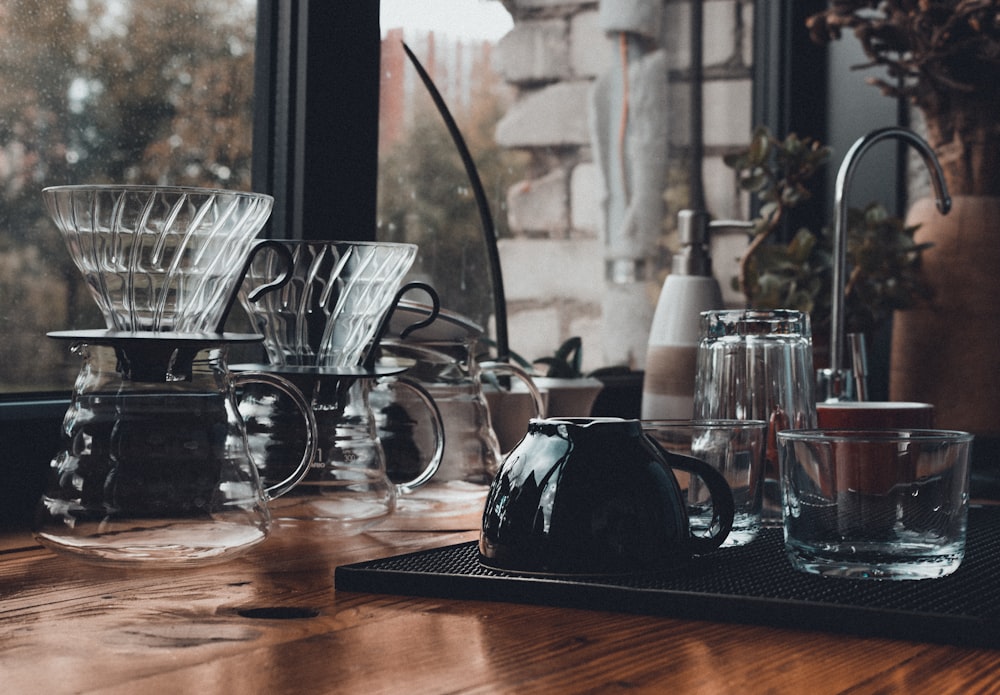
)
(718, 323)
(874, 435)
(702, 422)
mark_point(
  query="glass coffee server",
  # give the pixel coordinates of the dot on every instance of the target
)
(155, 468)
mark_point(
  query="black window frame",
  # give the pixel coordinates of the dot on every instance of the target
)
(790, 85)
(315, 151)
(316, 117)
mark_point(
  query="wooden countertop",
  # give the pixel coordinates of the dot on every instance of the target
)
(272, 622)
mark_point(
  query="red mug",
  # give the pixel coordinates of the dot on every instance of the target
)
(874, 415)
(870, 467)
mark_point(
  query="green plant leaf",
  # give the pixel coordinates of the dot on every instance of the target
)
(882, 257)
(567, 360)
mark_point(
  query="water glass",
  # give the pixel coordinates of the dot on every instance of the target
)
(757, 365)
(735, 448)
(875, 504)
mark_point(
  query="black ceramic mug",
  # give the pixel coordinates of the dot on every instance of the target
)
(595, 496)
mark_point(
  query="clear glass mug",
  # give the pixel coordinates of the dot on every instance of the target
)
(757, 365)
(451, 374)
(155, 468)
(347, 488)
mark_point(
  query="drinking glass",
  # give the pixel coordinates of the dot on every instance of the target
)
(735, 448)
(757, 365)
(875, 504)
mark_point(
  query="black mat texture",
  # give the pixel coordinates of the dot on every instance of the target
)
(753, 584)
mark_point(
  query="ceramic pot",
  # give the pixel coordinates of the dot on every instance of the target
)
(946, 353)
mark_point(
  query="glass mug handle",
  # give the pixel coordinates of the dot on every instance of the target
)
(312, 438)
(723, 506)
(427, 401)
(508, 369)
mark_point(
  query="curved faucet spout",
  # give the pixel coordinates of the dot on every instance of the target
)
(844, 177)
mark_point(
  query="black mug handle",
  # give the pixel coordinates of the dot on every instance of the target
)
(368, 361)
(275, 284)
(723, 506)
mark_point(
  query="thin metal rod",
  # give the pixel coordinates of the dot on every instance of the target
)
(859, 364)
(482, 204)
(696, 182)
(844, 177)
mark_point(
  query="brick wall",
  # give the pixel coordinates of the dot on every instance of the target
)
(555, 266)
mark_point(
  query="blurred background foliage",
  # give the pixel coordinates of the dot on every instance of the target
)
(96, 91)
(161, 92)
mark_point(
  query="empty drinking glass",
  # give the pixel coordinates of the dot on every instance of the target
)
(735, 448)
(875, 504)
(757, 365)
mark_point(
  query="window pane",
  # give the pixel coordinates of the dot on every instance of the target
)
(147, 91)
(424, 192)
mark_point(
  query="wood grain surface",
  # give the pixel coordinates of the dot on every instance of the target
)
(271, 622)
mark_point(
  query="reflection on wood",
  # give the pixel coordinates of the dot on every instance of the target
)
(272, 622)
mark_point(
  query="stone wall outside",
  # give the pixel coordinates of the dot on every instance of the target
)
(553, 266)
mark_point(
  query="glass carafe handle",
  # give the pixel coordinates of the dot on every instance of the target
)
(508, 369)
(287, 388)
(435, 460)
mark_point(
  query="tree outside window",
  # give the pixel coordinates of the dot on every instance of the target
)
(146, 92)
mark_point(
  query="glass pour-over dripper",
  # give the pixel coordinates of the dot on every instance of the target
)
(159, 258)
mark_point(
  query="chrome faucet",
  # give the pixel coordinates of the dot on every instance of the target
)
(834, 383)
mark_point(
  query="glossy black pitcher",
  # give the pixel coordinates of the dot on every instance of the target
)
(595, 496)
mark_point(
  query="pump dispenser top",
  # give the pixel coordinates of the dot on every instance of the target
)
(693, 257)
(668, 386)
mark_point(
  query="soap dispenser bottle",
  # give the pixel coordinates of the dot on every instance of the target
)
(671, 360)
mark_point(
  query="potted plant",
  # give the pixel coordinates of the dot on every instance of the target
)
(884, 261)
(567, 390)
(943, 56)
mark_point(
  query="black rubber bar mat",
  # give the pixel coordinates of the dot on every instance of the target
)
(752, 584)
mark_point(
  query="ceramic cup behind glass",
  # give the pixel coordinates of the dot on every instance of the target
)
(875, 415)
